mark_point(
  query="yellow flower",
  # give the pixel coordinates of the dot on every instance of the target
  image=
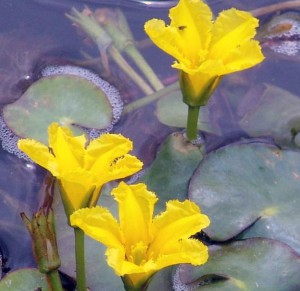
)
(206, 49)
(81, 168)
(139, 245)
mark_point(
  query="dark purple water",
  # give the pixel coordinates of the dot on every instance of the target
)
(36, 33)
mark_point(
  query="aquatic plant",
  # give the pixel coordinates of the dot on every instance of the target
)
(86, 21)
(248, 189)
(82, 169)
(205, 49)
(139, 245)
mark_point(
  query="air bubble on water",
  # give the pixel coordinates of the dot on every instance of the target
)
(198, 141)
(286, 41)
(94, 133)
(289, 48)
(111, 92)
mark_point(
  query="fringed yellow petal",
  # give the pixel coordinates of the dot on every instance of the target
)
(107, 142)
(136, 274)
(168, 39)
(243, 57)
(184, 251)
(67, 149)
(117, 259)
(105, 149)
(123, 167)
(246, 56)
(179, 221)
(39, 153)
(99, 224)
(136, 206)
(193, 21)
(188, 36)
(231, 29)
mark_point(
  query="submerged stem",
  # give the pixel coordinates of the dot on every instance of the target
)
(53, 281)
(192, 122)
(275, 7)
(80, 262)
(122, 63)
(150, 98)
(139, 60)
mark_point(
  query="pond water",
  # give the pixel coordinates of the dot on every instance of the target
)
(35, 34)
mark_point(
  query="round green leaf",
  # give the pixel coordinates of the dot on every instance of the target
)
(270, 111)
(169, 174)
(67, 99)
(243, 185)
(171, 111)
(24, 280)
(253, 264)
(162, 280)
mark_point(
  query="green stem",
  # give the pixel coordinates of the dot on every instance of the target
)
(150, 98)
(122, 63)
(53, 281)
(192, 122)
(140, 61)
(80, 262)
(275, 7)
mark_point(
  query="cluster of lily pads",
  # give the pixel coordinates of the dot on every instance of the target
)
(249, 189)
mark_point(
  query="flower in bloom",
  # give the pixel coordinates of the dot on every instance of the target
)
(206, 49)
(138, 245)
(81, 168)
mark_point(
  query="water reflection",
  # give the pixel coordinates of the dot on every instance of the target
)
(20, 183)
(35, 34)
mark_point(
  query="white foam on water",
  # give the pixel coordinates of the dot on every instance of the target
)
(289, 46)
(10, 141)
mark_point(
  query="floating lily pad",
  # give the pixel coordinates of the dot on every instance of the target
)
(162, 280)
(24, 280)
(69, 100)
(169, 174)
(243, 185)
(253, 264)
(172, 111)
(270, 111)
